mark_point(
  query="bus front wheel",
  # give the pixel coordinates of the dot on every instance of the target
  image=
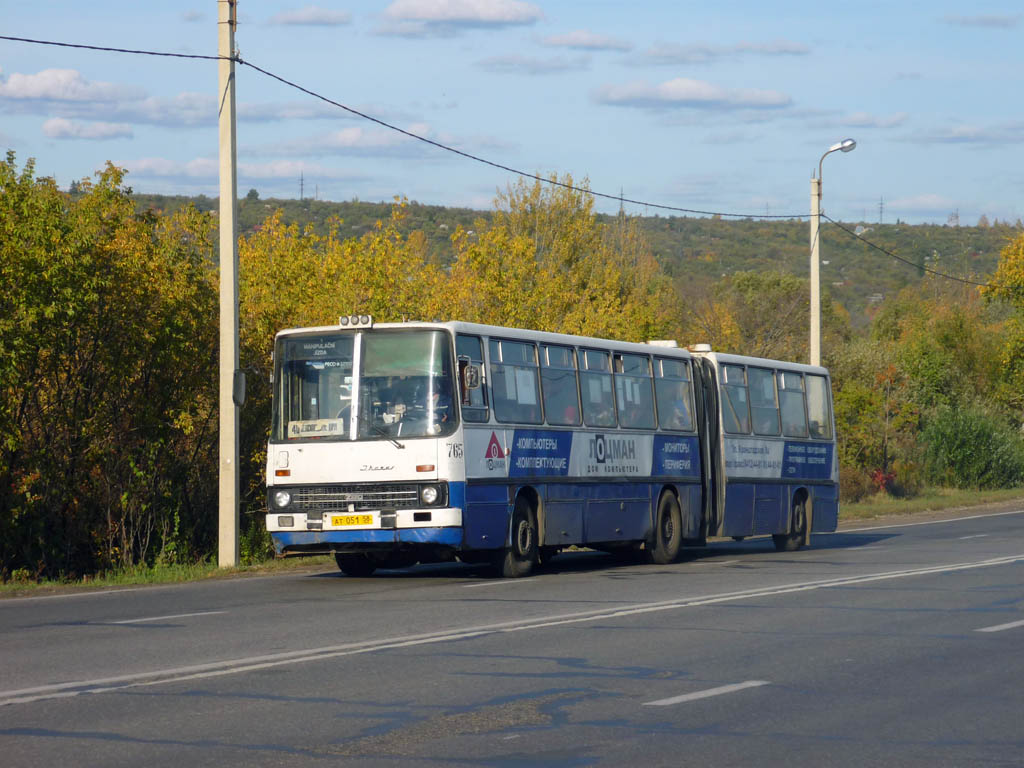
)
(668, 531)
(792, 541)
(355, 563)
(521, 554)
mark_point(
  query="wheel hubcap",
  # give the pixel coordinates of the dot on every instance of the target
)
(524, 537)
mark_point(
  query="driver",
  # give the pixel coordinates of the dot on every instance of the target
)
(440, 402)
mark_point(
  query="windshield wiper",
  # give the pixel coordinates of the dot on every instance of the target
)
(379, 430)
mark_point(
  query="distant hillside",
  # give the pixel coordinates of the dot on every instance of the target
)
(696, 249)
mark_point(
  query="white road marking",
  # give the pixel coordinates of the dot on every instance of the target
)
(254, 663)
(705, 694)
(499, 583)
(1001, 627)
(975, 536)
(926, 522)
(714, 562)
(161, 618)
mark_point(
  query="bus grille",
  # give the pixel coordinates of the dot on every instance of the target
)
(336, 498)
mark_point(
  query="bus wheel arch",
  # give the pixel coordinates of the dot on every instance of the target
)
(520, 553)
(667, 536)
(798, 534)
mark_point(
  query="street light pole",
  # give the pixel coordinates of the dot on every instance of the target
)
(846, 145)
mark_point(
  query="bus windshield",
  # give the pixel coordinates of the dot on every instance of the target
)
(402, 389)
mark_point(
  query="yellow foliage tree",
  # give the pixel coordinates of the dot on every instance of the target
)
(546, 262)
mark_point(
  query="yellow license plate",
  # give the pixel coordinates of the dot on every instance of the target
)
(343, 520)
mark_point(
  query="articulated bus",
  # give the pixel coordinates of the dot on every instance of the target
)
(398, 443)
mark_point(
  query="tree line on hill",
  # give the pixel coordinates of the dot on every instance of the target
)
(108, 345)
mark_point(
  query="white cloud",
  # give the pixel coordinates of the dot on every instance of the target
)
(524, 65)
(582, 39)
(772, 48)
(312, 16)
(64, 85)
(207, 169)
(991, 21)
(925, 203)
(354, 141)
(60, 128)
(1009, 133)
(867, 120)
(443, 18)
(672, 54)
(193, 16)
(291, 169)
(684, 92)
(199, 168)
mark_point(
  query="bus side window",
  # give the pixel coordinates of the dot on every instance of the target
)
(633, 391)
(791, 400)
(818, 410)
(764, 407)
(514, 382)
(596, 387)
(558, 383)
(735, 409)
(673, 395)
(474, 401)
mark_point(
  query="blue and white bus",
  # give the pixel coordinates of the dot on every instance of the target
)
(399, 443)
(771, 439)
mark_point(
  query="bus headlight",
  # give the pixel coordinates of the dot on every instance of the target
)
(429, 494)
(282, 498)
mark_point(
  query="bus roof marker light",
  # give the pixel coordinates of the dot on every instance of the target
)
(356, 321)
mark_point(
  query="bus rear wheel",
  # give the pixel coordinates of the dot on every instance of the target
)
(663, 548)
(519, 557)
(792, 541)
(355, 563)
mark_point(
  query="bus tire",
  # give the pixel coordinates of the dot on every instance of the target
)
(792, 541)
(668, 531)
(355, 563)
(520, 556)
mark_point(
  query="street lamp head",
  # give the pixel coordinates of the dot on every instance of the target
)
(846, 145)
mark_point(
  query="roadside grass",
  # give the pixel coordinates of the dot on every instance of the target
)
(928, 500)
(23, 584)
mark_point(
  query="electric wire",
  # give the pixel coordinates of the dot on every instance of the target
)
(889, 253)
(411, 135)
(478, 159)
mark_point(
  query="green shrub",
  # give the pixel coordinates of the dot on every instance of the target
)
(854, 485)
(972, 448)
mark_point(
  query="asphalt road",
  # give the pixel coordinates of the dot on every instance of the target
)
(880, 646)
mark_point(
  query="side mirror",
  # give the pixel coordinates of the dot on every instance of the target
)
(471, 376)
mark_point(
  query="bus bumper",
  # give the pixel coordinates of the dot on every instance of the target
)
(297, 533)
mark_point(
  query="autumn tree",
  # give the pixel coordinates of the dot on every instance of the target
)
(1007, 287)
(105, 377)
(764, 314)
(545, 262)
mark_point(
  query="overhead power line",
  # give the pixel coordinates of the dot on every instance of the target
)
(887, 252)
(417, 137)
(485, 161)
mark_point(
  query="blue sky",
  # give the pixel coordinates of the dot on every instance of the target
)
(722, 106)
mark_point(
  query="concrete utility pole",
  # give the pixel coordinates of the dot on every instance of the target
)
(227, 548)
(846, 145)
(815, 343)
